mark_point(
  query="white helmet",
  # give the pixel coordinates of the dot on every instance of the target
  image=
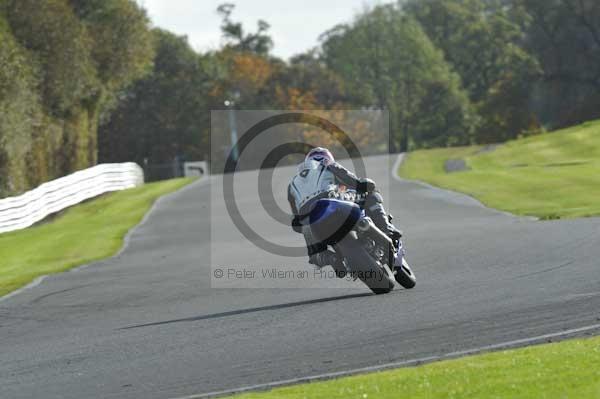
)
(320, 154)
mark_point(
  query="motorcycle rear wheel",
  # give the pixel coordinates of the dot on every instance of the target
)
(368, 269)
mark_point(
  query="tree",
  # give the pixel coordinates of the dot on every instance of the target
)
(565, 36)
(122, 49)
(61, 49)
(482, 40)
(19, 112)
(165, 114)
(387, 61)
(233, 32)
(68, 60)
(307, 73)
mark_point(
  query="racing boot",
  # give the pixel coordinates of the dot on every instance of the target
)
(329, 258)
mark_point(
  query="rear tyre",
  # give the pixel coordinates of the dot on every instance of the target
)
(405, 276)
(365, 267)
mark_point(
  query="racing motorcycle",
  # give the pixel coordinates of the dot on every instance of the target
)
(368, 253)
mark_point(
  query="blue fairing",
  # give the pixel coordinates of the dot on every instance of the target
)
(331, 219)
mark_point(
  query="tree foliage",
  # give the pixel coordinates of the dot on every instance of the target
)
(482, 41)
(163, 115)
(564, 35)
(82, 80)
(19, 111)
(237, 39)
(60, 48)
(387, 60)
(63, 64)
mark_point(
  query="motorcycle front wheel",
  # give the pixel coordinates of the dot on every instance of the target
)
(405, 276)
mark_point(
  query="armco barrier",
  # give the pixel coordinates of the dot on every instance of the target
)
(23, 211)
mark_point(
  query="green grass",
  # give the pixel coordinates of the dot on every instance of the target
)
(84, 233)
(570, 369)
(553, 175)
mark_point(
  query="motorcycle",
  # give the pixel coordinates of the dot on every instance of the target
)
(368, 253)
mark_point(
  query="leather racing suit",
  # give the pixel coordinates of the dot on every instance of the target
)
(313, 182)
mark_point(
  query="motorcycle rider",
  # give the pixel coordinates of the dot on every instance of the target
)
(313, 182)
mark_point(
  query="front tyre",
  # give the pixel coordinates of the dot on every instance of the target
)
(405, 276)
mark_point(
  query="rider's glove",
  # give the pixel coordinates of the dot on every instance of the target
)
(365, 185)
(395, 234)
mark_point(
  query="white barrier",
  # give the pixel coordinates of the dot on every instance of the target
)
(23, 211)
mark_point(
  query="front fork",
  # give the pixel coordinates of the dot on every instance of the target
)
(399, 253)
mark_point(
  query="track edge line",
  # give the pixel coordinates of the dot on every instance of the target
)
(126, 241)
(393, 365)
(396, 175)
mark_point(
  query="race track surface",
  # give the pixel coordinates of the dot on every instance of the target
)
(147, 324)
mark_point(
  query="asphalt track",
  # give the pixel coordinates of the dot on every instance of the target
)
(147, 324)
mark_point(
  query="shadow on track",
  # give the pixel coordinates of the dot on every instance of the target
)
(250, 310)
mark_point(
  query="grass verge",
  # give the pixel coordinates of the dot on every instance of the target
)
(568, 369)
(82, 234)
(552, 175)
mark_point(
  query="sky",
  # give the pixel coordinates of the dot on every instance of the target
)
(295, 25)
